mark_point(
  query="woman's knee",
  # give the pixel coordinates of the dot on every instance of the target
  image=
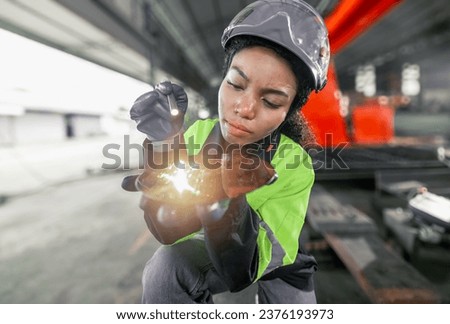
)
(162, 266)
(161, 279)
(180, 264)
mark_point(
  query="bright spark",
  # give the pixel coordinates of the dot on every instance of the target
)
(180, 180)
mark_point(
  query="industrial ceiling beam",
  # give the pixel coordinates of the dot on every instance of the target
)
(105, 19)
(200, 33)
(184, 65)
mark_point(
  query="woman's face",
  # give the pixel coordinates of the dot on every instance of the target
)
(255, 95)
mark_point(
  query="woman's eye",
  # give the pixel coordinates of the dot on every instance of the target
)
(235, 86)
(270, 104)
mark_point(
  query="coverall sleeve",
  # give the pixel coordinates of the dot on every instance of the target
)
(282, 208)
(167, 222)
(231, 242)
(259, 232)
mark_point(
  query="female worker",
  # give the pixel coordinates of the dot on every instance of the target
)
(247, 227)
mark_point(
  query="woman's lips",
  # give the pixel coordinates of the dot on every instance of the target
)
(237, 129)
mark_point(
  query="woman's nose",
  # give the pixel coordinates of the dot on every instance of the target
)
(247, 107)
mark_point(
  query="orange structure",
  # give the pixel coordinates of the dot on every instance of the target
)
(373, 124)
(345, 23)
(323, 113)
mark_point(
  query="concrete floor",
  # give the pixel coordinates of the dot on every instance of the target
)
(86, 242)
(80, 242)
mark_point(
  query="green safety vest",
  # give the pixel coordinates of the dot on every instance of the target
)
(281, 206)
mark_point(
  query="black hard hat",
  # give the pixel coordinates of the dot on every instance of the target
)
(293, 24)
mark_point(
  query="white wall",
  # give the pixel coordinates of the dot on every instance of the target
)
(35, 127)
(6, 135)
(86, 126)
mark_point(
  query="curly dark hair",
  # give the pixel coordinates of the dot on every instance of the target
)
(295, 125)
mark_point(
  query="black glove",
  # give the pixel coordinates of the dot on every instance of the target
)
(153, 115)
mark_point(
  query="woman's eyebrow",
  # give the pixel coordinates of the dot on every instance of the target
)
(241, 73)
(275, 91)
(265, 90)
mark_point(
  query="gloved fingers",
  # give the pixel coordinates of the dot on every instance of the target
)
(165, 88)
(150, 104)
(153, 111)
(138, 182)
(129, 183)
(161, 108)
(140, 106)
(181, 97)
(158, 129)
(149, 123)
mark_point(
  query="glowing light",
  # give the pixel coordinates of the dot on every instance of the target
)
(179, 178)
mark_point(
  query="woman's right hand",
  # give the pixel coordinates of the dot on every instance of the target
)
(152, 111)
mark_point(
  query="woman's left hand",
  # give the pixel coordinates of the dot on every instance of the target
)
(244, 171)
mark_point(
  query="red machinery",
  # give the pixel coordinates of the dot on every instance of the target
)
(350, 19)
